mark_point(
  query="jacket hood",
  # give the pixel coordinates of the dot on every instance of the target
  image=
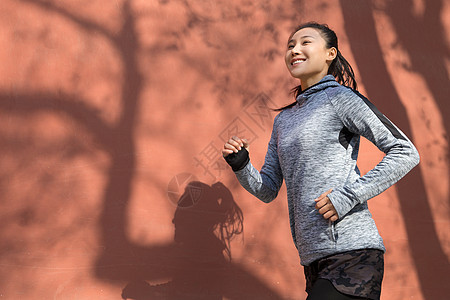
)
(324, 83)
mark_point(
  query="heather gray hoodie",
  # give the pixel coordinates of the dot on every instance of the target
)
(314, 147)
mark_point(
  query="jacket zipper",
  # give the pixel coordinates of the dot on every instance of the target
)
(333, 231)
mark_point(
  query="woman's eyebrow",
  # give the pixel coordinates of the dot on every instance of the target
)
(302, 37)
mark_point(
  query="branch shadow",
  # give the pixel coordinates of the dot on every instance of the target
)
(428, 28)
(197, 260)
(429, 257)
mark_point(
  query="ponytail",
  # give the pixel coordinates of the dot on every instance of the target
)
(341, 69)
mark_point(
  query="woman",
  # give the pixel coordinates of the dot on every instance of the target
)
(314, 148)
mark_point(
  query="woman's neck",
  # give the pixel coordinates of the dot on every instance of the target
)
(311, 80)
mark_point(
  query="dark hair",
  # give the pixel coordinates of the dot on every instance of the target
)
(211, 208)
(340, 68)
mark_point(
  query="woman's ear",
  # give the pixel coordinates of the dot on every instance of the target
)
(332, 53)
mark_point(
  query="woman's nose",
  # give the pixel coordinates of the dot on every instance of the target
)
(296, 50)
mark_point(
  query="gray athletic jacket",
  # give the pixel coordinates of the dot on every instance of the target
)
(314, 147)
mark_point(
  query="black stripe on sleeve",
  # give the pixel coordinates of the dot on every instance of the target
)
(382, 117)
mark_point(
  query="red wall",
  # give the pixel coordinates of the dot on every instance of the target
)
(113, 111)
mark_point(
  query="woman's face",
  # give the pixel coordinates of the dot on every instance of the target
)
(307, 57)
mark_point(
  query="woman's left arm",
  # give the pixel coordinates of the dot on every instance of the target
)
(361, 117)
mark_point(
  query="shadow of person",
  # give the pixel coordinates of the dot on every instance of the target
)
(199, 261)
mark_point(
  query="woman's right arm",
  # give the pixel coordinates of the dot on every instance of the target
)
(263, 184)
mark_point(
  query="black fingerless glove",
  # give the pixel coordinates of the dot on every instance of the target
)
(238, 160)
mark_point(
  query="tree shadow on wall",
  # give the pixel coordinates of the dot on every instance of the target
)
(196, 265)
(198, 261)
(428, 254)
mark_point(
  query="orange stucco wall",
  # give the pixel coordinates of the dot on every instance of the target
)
(111, 112)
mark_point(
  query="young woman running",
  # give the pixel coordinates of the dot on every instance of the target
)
(314, 148)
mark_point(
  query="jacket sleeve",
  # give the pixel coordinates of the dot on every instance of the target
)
(266, 183)
(363, 118)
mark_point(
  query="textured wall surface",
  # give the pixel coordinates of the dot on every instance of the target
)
(112, 116)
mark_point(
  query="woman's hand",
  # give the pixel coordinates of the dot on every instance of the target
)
(325, 207)
(233, 145)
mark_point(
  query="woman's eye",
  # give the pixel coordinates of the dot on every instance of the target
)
(306, 42)
(290, 46)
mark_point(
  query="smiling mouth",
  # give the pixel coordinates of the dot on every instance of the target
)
(298, 61)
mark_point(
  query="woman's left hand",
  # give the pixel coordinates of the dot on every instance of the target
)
(325, 207)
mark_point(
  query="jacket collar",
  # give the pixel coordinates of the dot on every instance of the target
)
(324, 83)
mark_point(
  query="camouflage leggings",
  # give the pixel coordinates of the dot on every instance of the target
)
(356, 273)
